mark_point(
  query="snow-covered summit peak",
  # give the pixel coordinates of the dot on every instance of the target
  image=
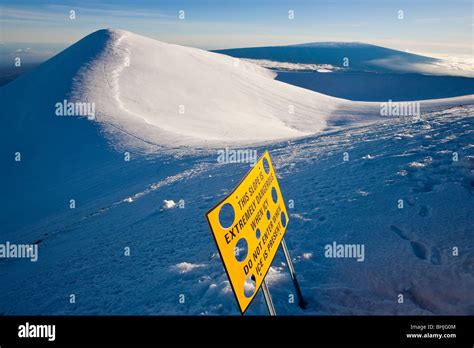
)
(144, 92)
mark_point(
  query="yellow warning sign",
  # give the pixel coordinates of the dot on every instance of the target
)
(248, 226)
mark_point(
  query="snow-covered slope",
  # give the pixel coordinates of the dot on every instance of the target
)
(371, 86)
(150, 92)
(408, 251)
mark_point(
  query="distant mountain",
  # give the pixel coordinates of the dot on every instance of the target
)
(362, 72)
(357, 56)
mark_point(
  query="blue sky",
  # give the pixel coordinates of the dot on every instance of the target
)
(428, 26)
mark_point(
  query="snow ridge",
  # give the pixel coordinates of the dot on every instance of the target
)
(149, 94)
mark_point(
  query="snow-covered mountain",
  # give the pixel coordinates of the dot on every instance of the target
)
(148, 96)
(363, 72)
(354, 56)
(84, 190)
(149, 92)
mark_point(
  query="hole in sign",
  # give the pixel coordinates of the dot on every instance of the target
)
(226, 215)
(241, 250)
(257, 233)
(266, 166)
(283, 219)
(274, 195)
(249, 285)
(268, 214)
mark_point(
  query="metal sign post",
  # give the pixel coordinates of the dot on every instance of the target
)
(266, 293)
(268, 298)
(301, 301)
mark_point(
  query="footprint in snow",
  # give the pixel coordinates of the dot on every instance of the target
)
(424, 211)
(420, 249)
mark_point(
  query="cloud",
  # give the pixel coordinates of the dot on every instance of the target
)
(24, 50)
(428, 20)
(61, 12)
(14, 14)
(434, 20)
(447, 66)
(111, 12)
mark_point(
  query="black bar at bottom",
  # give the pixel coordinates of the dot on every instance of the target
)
(243, 330)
